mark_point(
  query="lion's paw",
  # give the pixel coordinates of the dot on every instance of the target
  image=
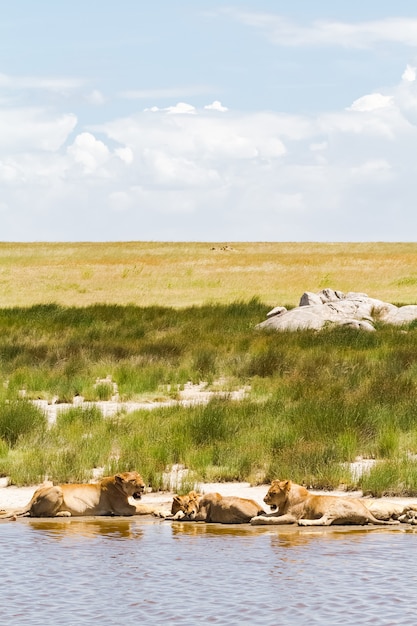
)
(162, 514)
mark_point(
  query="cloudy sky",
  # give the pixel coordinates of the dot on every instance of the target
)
(204, 120)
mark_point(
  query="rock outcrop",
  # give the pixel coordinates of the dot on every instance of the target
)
(355, 310)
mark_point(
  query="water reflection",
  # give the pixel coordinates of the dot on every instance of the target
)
(81, 572)
(295, 537)
(109, 528)
(285, 535)
(216, 530)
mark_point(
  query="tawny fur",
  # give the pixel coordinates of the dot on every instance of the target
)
(107, 497)
(384, 509)
(295, 504)
(213, 507)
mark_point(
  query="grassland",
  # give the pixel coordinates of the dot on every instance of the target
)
(156, 315)
(186, 274)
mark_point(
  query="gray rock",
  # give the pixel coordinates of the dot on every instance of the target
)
(330, 295)
(354, 309)
(308, 298)
(278, 310)
(400, 315)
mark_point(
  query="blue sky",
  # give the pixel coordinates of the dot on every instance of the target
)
(175, 120)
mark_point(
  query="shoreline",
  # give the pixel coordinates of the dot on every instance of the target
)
(15, 497)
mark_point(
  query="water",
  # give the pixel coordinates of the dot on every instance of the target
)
(130, 572)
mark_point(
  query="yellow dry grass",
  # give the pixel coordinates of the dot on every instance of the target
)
(184, 274)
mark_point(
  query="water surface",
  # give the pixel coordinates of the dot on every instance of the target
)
(123, 572)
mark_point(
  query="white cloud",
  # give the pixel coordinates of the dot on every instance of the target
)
(95, 98)
(376, 169)
(125, 154)
(8, 171)
(318, 147)
(170, 93)
(216, 106)
(180, 108)
(178, 172)
(409, 74)
(89, 152)
(58, 85)
(371, 102)
(203, 138)
(33, 129)
(397, 106)
(205, 175)
(120, 201)
(285, 32)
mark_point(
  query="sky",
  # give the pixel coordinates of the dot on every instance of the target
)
(174, 120)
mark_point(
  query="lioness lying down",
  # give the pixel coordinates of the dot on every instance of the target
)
(213, 507)
(107, 497)
(292, 503)
(385, 509)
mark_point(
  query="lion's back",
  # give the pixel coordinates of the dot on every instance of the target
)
(316, 506)
(233, 510)
(84, 499)
(82, 489)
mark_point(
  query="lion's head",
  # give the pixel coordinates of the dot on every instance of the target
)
(277, 493)
(131, 483)
(188, 504)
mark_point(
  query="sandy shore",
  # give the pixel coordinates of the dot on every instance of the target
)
(13, 497)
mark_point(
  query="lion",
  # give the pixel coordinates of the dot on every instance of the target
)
(384, 509)
(213, 507)
(182, 503)
(292, 503)
(107, 497)
(409, 515)
(179, 504)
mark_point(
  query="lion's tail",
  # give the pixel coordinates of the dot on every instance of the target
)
(16, 513)
(381, 522)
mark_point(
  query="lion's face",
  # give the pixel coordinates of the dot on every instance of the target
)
(131, 483)
(277, 494)
(178, 504)
(188, 504)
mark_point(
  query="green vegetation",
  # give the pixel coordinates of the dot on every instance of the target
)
(317, 400)
(18, 418)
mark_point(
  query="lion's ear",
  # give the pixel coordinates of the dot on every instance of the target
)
(286, 484)
(177, 498)
(119, 478)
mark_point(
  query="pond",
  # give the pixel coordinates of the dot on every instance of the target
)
(129, 571)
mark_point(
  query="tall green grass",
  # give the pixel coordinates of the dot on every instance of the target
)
(393, 477)
(317, 400)
(19, 418)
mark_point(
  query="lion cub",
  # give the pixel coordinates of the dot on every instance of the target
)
(213, 507)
